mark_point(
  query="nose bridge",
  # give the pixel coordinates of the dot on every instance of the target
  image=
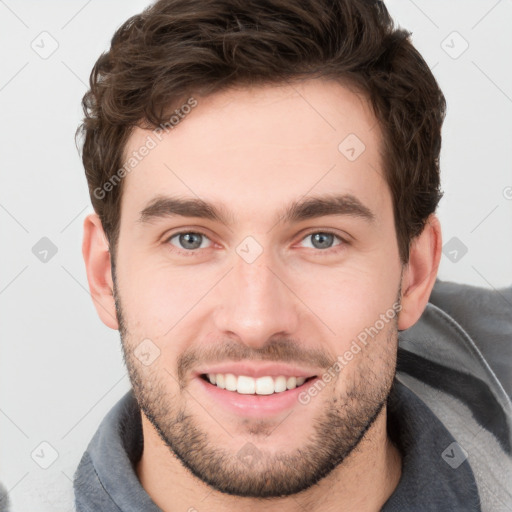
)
(256, 304)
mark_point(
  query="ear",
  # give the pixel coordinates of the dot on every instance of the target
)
(420, 273)
(95, 250)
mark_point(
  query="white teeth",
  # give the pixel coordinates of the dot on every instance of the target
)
(245, 385)
(265, 386)
(230, 381)
(280, 384)
(291, 382)
(249, 386)
(219, 380)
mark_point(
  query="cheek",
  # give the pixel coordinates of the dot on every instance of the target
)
(156, 298)
(348, 299)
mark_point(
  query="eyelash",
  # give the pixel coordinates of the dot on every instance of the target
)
(195, 252)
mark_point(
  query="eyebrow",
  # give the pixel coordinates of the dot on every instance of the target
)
(298, 210)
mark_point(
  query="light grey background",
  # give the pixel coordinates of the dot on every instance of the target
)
(60, 368)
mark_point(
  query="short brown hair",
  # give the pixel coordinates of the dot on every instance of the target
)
(176, 49)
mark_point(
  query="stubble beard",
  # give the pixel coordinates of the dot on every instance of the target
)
(335, 431)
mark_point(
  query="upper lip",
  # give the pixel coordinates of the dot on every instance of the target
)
(258, 370)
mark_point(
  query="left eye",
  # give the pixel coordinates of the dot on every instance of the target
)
(322, 240)
(189, 240)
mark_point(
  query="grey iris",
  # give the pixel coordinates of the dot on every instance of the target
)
(324, 240)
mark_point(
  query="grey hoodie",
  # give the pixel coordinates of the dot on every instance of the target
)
(449, 413)
(4, 499)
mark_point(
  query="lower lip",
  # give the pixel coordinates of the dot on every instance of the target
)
(254, 405)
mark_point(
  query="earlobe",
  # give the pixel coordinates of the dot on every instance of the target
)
(96, 255)
(420, 273)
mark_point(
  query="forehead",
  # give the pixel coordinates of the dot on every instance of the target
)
(255, 149)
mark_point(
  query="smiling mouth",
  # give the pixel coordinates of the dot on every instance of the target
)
(245, 385)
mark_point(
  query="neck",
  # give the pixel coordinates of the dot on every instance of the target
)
(362, 483)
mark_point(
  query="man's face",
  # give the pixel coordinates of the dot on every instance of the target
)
(265, 298)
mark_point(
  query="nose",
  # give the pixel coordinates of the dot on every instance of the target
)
(256, 302)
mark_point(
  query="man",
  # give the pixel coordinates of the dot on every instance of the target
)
(265, 177)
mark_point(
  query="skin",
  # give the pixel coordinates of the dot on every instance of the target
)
(253, 151)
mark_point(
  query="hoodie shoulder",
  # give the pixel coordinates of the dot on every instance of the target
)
(87, 483)
(486, 316)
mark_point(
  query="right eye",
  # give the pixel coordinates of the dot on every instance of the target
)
(188, 241)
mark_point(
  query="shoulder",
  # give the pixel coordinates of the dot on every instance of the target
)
(4, 499)
(486, 316)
